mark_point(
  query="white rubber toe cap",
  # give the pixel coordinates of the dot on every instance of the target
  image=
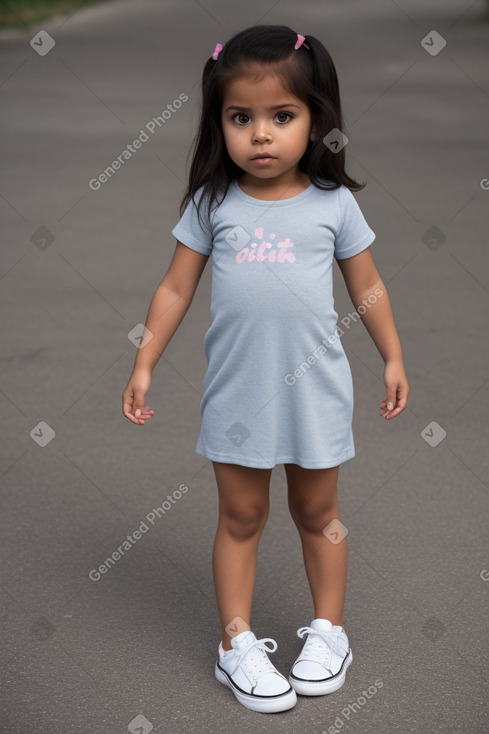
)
(271, 684)
(309, 670)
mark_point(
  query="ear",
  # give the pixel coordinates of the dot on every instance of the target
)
(312, 134)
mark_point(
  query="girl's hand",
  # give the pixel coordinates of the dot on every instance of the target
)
(397, 389)
(134, 395)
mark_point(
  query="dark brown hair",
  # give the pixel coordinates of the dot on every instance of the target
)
(308, 73)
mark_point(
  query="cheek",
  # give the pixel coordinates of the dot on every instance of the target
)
(233, 140)
(233, 147)
(303, 138)
(293, 146)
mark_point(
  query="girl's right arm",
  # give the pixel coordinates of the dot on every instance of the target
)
(168, 306)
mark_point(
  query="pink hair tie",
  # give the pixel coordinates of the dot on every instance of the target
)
(217, 51)
(300, 41)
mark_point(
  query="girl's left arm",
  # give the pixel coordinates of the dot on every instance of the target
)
(362, 280)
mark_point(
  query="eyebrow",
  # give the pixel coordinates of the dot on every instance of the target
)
(247, 109)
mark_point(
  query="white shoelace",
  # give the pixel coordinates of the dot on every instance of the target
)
(320, 644)
(257, 663)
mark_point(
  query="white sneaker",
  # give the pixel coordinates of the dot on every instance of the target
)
(248, 672)
(326, 656)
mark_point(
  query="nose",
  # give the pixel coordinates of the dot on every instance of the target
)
(261, 132)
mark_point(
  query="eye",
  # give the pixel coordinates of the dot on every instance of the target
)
(240, 114)
(287, 114)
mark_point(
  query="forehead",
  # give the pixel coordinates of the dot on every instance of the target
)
(257, 86)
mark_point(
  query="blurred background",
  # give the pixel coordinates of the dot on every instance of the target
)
(134, 649)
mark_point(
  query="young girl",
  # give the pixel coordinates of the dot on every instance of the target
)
(269, 199)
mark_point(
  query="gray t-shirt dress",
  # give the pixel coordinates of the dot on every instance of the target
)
(278, 387)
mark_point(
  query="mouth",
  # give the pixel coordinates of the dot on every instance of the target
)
(263, 158)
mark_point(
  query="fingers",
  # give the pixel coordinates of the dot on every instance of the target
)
(133, 398)
(391, 398)
(387, 406)
(143, 414)
(390, 408)
(137, 415)
(387, 414)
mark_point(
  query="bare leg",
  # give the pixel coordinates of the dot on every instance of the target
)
(313, 503)
(243, 512)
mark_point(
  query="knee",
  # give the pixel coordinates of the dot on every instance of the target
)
(312, 518)
(244, 523)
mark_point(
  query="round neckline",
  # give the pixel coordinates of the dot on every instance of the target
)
(267, 202)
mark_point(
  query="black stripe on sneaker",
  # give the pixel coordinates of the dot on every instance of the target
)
(253, 695)
(322, 680)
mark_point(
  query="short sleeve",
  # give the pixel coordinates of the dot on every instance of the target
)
(354, 234)
(194, 232)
